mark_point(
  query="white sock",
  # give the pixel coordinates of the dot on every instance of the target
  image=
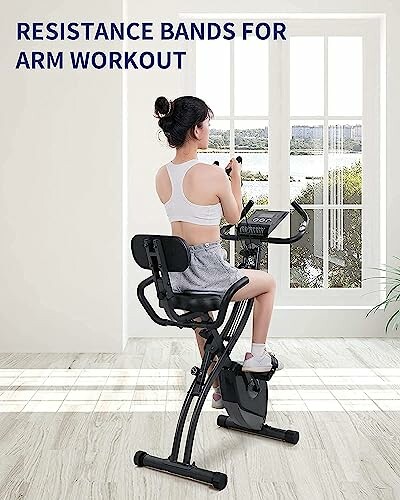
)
(257, 349)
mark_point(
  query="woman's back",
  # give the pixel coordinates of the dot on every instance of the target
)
(188, 191)
(195, 194)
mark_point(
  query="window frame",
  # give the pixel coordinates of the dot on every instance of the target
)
(278, 147)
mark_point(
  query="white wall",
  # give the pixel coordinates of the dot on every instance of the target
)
(61, 197)
(60, 192)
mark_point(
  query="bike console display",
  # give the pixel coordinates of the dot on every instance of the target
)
(260, 223)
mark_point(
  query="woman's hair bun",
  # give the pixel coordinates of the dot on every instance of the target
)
(161, 106)
(179, 117)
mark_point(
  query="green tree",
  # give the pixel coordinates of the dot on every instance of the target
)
(344, 269)
(248, 175)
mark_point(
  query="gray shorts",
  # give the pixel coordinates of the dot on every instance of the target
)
(208, 271)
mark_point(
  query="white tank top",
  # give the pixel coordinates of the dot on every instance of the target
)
(179, 208)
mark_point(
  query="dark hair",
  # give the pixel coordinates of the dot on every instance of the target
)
(178, 117)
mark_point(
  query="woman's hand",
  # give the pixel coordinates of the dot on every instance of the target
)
(233, 167)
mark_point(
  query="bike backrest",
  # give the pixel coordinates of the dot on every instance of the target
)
(175, 249)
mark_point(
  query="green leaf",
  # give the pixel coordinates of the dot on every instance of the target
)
(377, 306)
(385, 270)
(386, 275)
(394, 288)
(373, 291)
(395, 314)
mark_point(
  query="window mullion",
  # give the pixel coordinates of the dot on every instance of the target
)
(325, 210)
(232, 126)
(278, 140)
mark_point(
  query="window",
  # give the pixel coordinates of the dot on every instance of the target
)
(297, 112)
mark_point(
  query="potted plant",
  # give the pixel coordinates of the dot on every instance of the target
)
(393, 295)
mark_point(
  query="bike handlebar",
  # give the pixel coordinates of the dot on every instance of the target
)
(295, 237)
(246, 209)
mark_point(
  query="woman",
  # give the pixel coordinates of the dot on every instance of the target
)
(195, 196)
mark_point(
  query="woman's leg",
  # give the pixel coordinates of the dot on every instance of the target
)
(262, 287)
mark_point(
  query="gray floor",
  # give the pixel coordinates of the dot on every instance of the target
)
(69, 423)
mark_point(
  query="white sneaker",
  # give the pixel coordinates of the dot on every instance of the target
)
(260, 364)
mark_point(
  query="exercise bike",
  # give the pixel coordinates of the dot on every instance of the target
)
(245, 394)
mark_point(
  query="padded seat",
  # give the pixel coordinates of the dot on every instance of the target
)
(196, 302)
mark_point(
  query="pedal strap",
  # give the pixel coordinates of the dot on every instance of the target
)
(274, 363)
